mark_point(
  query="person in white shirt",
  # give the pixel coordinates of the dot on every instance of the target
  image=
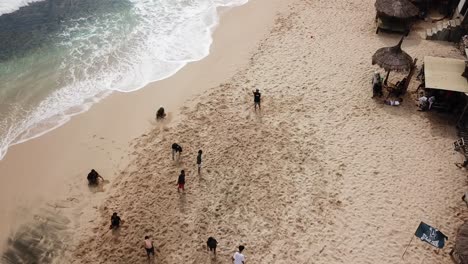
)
(423, 104)
(238, 257)
(395, 102)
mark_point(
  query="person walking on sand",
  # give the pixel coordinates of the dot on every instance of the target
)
(115, 221)
(238, 257)
(199, 161)
(257, 98)
(181, 181)
(211, 244)
(176, 149)
(148, 244)
(160, 114)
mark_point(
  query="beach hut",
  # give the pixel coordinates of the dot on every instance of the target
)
(395, 15)
(395, 59)
(443, 79)
(459, 252)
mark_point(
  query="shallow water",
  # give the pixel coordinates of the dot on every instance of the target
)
(41, 240)
(58, 57)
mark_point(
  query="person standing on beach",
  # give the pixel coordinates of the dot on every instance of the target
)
(181, 181)
(148, 244)
(115, 221)
(176, 149)
(211, 244)
(199, 161)
(257, 98)
(238, 257)
(160, 114)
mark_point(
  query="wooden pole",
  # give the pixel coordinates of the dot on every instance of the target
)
(463, 114)
(386, 78)
(407, 246)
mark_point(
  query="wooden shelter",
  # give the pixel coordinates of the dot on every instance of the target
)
(443, 79)
(395, 15)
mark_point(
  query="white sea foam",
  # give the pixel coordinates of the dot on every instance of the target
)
(8, 6)
(122, 52)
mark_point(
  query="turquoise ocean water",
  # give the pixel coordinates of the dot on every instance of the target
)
(59, 57)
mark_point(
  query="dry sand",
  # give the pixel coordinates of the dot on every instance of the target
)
(323, 174)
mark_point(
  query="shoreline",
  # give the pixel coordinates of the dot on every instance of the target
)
(100, 137)
(28, 128)
(323, 174)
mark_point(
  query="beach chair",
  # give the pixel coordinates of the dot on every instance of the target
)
(459, 144)
(400, 88)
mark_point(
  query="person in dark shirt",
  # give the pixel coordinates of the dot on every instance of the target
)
(176, 149)
(93, 177)
(199, 161)
(160, 114)
(181, 181)
(211, 244)
(257, 98)
(115, 221)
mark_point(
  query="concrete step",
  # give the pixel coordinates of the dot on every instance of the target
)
(453, 23)
(446, 24)
(428, 33)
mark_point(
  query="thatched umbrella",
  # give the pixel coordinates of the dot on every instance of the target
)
(392, 59)
(402, 9)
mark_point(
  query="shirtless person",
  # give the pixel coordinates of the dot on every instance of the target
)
(148, 244)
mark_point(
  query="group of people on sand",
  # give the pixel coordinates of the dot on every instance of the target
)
(116, 221)
(377, 90)
(237, 258)
(425, 102)
(211, 244)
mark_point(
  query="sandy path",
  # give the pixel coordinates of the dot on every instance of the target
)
(323, 175)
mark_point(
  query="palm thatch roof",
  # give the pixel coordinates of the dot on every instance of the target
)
(392, 58)
(396, 8)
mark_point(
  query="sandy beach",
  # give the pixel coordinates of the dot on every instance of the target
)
(46, 176)
(322, 174)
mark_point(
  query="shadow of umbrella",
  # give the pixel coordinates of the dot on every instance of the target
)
(392, 59)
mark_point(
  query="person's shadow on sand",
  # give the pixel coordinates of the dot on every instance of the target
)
(182, 202)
